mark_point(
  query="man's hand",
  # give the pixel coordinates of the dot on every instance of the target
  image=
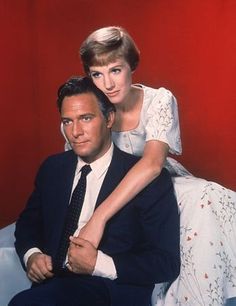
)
(39, 267)
(82, 256)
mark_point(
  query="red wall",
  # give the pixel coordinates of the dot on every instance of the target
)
(187, 46)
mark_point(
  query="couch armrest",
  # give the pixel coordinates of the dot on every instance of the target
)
(13, 278)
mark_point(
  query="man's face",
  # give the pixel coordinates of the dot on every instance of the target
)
(85, 127)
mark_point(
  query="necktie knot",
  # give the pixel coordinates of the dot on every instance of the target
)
(85, 170)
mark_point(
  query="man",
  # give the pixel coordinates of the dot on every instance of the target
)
(140, 245)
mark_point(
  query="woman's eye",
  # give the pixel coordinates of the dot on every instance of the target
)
(95, 75)
(116, 70)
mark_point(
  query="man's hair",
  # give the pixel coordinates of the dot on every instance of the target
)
(107, 44)
(79, 85)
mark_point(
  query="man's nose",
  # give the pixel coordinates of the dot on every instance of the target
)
(77, 129)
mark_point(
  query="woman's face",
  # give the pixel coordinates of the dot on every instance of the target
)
(113, 79)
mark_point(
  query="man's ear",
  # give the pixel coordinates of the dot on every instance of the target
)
(110, 119)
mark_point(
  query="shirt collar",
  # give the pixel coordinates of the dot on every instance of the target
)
(100, 165)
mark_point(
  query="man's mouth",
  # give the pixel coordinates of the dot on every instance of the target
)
(79, 143)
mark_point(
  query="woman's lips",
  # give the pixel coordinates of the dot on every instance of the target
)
(112, 94)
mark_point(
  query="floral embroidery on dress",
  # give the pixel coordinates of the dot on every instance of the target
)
(207, 245)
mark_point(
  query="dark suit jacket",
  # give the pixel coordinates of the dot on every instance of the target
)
(142, 238)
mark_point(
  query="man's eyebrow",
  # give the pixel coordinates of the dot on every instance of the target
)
(80, 116)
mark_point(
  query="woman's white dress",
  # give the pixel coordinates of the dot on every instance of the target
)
(207, 212)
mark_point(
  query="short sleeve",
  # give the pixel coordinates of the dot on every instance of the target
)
(162, 119)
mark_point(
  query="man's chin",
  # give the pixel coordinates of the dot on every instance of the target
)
(80, 153)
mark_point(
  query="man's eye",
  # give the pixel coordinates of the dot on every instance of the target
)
(95, 75)
(87, 118)
(66, 122)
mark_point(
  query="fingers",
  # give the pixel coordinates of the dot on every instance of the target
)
(82, 256)
(39, 267)
(36, 276)
(48, 261)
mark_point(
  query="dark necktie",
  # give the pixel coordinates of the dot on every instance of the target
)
(72, 217)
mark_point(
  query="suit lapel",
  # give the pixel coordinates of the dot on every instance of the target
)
(65, 177)
(114, 175)
(68, 172)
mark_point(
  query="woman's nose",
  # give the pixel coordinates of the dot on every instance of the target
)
(108, 83)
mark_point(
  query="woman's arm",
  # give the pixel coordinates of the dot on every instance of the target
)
(138, 177)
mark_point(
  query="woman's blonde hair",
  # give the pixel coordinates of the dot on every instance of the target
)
(105, 45)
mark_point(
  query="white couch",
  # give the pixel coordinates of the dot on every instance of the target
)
(12, 277)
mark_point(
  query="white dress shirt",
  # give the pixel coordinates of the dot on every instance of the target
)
(104, 264)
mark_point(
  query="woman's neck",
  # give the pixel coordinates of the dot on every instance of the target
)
(128, 112)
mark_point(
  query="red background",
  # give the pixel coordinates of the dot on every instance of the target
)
(187, 46)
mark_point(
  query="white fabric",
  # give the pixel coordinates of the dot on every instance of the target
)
(207, 216)
(12, 277)
(208, 245)
(158, 120)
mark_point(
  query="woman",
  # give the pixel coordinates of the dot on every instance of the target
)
(147, 125)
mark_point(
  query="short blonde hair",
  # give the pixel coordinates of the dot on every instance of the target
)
(105, 45)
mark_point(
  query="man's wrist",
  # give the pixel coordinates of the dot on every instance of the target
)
(29, 253)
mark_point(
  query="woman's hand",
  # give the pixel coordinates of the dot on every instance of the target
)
(93, 231)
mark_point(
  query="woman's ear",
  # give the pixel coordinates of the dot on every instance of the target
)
(110, 119)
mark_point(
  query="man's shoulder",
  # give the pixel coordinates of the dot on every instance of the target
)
(123, 161)
(161, 183)
(58, 159)
(119, 154)
(163, 177)
(61, 155)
